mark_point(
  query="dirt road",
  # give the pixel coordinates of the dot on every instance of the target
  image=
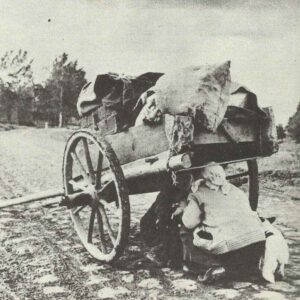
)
(41, 257)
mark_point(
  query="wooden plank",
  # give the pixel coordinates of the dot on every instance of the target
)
(141, 168)
(139, 142)
(144, 141)
(241, 131)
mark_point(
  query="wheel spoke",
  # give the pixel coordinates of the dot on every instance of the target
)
(99, 170)
(91, 226)
(78, 185)
(78, 209)
(109, 207)
(88, 160)
(107, 225)
(76, 158)
(104, 187)
(101, 232)
(109, 194)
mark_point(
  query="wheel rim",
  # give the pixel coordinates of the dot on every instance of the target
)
(91, 169)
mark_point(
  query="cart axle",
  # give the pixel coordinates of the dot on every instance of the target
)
(75, 200)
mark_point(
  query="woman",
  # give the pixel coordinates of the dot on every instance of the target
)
(220, 230)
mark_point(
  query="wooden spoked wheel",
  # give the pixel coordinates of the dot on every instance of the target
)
(243, 170)
(95, 189)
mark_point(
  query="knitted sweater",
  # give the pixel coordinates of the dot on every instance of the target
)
(228, 218)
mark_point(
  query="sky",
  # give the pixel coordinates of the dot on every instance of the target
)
(261, 38)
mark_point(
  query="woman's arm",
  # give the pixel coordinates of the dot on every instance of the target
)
(192, 215)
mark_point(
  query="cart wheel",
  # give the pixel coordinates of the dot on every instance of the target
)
(96, 194)
(253, 185)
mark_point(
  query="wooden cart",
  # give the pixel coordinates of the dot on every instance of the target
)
(101, 168)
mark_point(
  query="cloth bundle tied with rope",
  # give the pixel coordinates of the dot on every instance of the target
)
(201, 92)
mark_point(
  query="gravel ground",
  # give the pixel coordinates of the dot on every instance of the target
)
(42, 258)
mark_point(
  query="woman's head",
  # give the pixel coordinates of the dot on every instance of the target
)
(214, 177)
(214, 174)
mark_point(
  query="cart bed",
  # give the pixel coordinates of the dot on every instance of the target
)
(235, 139)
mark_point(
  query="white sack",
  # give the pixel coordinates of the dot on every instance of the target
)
(201, 91)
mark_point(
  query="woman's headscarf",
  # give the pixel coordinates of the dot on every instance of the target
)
(214, 177)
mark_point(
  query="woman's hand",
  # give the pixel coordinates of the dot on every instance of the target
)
(179, 209)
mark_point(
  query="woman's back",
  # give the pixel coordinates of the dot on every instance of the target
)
(228, 217)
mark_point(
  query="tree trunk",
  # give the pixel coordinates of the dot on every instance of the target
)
(61, 115)
(60, 120)
(8, 114)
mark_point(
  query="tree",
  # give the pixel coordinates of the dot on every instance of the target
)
(280, 132)
(16, 81)
(59, 96)
(294, 125)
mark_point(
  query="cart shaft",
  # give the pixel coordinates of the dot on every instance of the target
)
(32, 198)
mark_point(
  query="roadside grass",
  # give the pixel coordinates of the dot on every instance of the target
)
(284, 165)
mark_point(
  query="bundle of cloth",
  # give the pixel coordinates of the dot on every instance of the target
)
(116, 92)
(199, 91)
(203, 92)
(276, 254)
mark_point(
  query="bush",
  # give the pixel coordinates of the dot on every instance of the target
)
(294, 125)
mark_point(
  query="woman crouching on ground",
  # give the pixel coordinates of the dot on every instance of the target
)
(221, 233)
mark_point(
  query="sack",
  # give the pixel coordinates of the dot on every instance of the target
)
(201, 91)
(276, 254)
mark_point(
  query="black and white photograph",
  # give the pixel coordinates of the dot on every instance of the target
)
(149, 149)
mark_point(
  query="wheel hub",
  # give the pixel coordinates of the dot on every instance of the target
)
(91, 190)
